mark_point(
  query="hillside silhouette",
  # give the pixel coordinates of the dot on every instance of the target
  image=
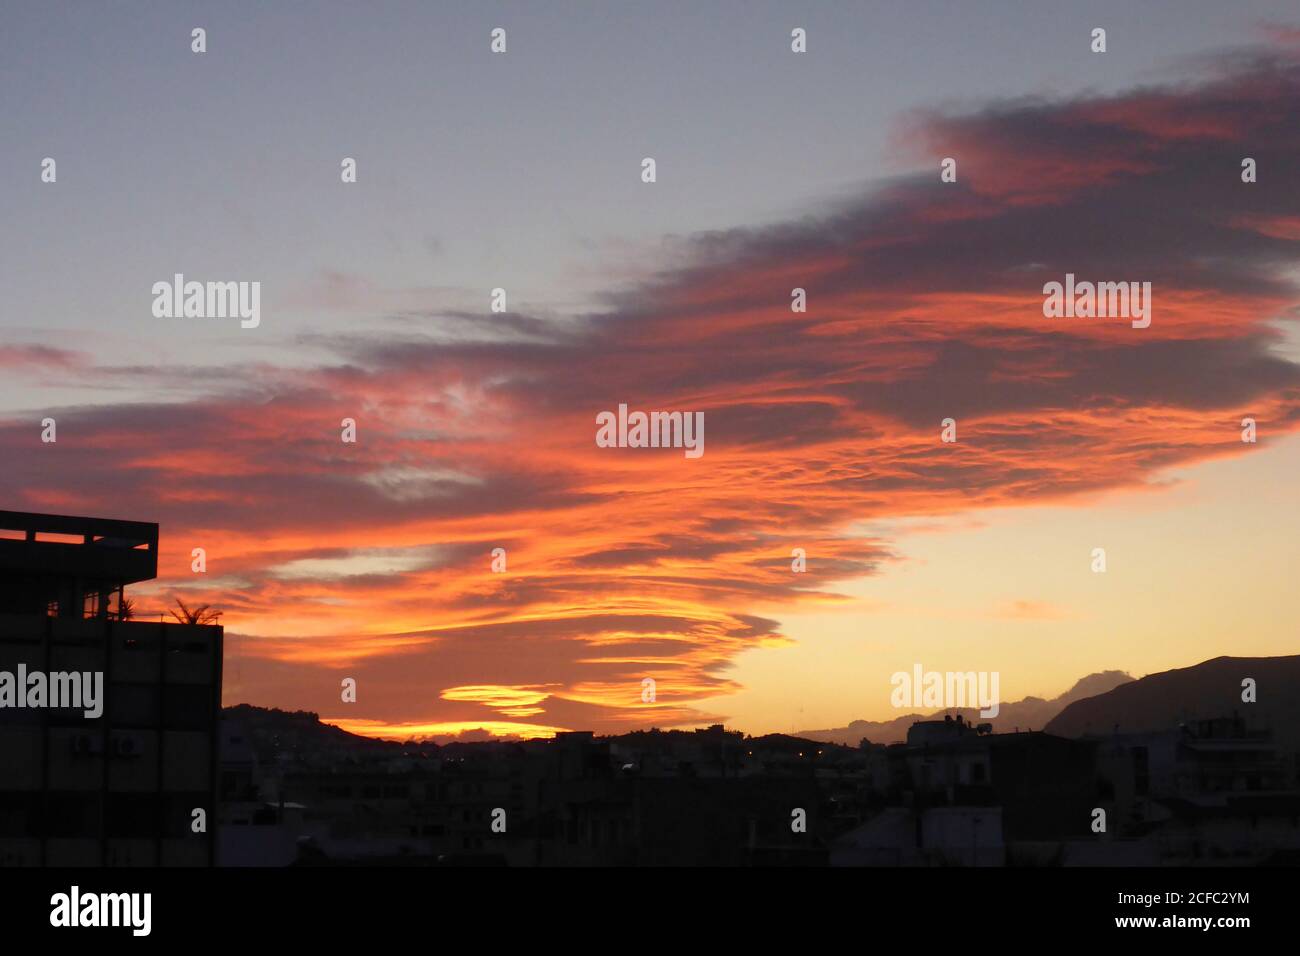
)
(1206, 690)
(1029, 713)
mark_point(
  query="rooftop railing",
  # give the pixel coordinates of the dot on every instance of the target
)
(102, 549)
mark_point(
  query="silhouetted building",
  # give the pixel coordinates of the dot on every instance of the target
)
(962, 795)
(1209, 790)
(937, 836)
(120, 788)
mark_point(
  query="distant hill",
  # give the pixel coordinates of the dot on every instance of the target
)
(1030, 713)
(1209, 689)
(269, 732)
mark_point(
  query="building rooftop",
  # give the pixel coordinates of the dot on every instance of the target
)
(46, 558)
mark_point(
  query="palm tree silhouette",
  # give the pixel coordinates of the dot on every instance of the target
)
(203, 614)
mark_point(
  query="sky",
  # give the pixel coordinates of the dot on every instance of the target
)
(775, 170)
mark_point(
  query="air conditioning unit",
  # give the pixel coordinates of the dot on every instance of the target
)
(127, 746)
(87, 744)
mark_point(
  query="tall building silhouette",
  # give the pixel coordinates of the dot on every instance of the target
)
(121, 788)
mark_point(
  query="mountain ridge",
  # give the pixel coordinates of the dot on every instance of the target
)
(1026, 713)
(1210, 689)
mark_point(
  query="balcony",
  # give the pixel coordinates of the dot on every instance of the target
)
(99, 550)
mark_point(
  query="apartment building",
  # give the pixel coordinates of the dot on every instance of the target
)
(135, 785)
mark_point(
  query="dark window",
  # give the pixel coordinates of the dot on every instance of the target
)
(71, 815)
(133, 705)
(20, 814)
(132, 815)
(187, 707)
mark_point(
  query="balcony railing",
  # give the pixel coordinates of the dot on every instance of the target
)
(91, 549)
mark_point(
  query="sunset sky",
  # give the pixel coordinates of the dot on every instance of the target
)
(775, 170)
